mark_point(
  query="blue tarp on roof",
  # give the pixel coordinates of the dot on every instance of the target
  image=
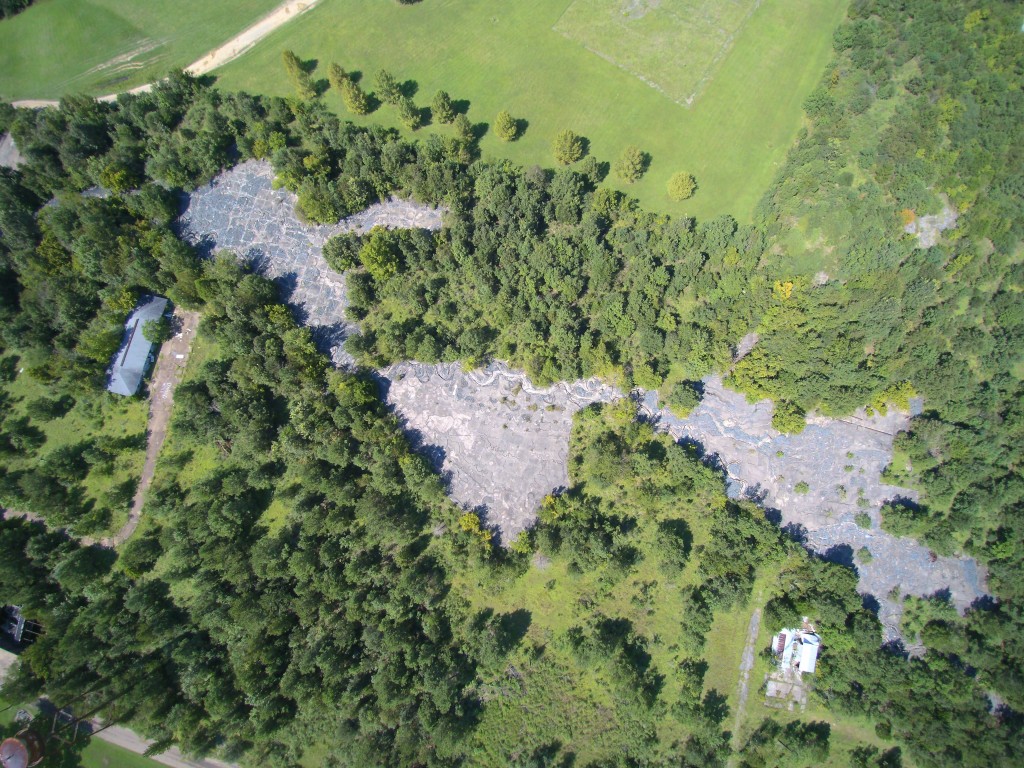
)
(130, 363)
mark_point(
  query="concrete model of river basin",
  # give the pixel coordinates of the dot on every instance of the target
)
(501, 443)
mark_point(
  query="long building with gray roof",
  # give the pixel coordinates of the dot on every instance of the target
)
(133, 358)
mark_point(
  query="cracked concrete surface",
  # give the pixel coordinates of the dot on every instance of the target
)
(841, 462)
(242, 212)
(10, 157)
(502, 443)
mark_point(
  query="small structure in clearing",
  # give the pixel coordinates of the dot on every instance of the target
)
(136, 352)
(796, 652)
(797, 648)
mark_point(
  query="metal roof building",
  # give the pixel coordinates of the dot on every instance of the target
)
(133, 358)
(797, 648)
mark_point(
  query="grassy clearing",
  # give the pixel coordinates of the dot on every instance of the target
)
(511, 57)
(98, 415)
(723, 650)
(57, 47)
(673, 45)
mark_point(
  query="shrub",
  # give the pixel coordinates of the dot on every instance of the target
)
(863, 519)
(681, 186)
(802, 488)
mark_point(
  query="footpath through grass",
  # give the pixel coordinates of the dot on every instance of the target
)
(510, 56)
(58, 47)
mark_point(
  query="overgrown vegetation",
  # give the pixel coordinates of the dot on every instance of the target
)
(303, 579)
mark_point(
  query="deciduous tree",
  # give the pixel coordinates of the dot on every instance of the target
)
(681, 186)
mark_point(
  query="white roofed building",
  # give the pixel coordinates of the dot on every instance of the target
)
(797, 649)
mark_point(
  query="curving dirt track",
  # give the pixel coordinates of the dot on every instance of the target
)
(218, 57)
(170, 366)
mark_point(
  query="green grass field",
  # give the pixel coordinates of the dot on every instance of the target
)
(511, 56)
(674, 45)
(57, 47)
(99, 415)
(97, 754)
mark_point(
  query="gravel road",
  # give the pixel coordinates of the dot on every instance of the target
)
(218, 57)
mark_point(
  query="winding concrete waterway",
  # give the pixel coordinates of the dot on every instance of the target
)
(501, 443)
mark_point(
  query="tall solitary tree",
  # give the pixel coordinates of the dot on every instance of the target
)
(298, 75)
(463, 128)
(409, 114)
(567, 147)
(441, 108)
(337, 77)
(631, 165)
(355, 99)
(681, 186)
(505, 127)
(387, 87)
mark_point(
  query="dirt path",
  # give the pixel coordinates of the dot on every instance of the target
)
(170, 366)
(746, 665)
(218, 57)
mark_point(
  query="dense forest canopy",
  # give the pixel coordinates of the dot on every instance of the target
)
(302, 586)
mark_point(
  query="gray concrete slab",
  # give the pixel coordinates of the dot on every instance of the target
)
(10, 157)
(241, 211)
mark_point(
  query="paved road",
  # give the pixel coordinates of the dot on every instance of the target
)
(130, 740)
(218, 57)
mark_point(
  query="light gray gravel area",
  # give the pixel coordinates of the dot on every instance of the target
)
(241, 211)
(840, 461)
(929, 228)
(501, 443)
(10, 157)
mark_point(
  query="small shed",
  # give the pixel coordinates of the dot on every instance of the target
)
(136, 352)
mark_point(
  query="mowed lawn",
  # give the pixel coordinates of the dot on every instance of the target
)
(510, 56)
(57, 47)
(675, 45)
(97, 754)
